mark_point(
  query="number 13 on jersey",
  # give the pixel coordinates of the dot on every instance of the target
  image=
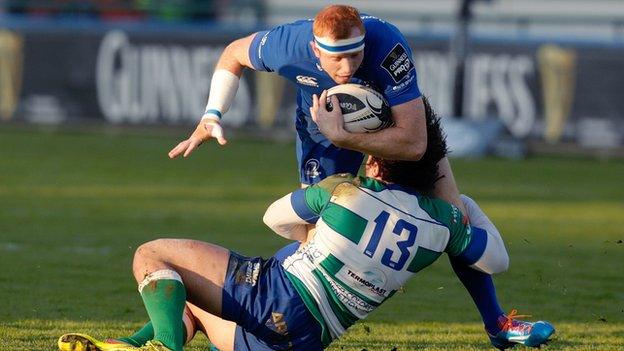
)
(393, 247)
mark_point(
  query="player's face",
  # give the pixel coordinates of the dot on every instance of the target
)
(340, 67)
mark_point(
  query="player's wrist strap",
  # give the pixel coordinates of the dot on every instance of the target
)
(212, 112)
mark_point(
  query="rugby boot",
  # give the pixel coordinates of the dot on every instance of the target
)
(153, 345)
(513, 332)
(83, 342)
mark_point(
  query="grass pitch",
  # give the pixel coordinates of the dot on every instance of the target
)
(74, 206)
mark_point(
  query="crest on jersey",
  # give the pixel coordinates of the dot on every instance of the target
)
(309, 81)
(312, 168)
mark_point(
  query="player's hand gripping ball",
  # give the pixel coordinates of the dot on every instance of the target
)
(364, 109)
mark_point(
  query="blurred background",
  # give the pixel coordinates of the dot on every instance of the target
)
(93, 94)
(510, 77)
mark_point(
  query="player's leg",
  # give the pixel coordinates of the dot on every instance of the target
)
(172, 271)
(478, 284)
(504, 330)
(146, 333)
(219, 331)
(169, 272)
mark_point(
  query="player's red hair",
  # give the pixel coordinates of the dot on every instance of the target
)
(337, 21)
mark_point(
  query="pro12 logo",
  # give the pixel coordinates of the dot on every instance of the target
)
(397, 63)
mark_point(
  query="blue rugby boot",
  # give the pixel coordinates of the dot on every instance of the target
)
(513, 331)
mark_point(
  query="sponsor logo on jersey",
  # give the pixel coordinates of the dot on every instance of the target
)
(455, 214)
(262, 42)
(312, 168)
(404, 84)
(374, 283)
(347, 298)
(365, 17)
(397, 63)
(305, 80)
(311, 252)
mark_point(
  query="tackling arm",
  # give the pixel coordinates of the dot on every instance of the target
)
(284, 219)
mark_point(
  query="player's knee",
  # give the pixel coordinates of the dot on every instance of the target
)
(147, 248)
(147, 251)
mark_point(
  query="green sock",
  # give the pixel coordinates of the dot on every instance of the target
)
(145, 334)
(164, 300)
(141, 336)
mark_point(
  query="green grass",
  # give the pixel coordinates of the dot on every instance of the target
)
(74, 206)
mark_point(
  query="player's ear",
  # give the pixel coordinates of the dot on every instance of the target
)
(371, 168)
(315, 49)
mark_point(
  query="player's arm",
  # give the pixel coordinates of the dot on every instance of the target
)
(223, 87)
(406, 140)
(290, 216)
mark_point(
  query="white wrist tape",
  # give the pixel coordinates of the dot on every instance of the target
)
(223, 89)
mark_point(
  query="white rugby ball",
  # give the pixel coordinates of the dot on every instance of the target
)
(364, 109)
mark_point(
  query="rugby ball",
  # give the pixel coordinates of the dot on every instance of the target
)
(364, 110)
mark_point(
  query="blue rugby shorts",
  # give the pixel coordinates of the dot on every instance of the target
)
(267, 309)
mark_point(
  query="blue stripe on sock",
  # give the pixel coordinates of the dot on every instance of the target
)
(475, 249)
(299, 204)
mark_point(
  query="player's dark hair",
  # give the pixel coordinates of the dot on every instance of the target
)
(422, 174)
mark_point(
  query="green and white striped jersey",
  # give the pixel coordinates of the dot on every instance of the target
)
(371, 237)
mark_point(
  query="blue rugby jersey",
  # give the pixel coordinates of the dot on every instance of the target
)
(387, 66)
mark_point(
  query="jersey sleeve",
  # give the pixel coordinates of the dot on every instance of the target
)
(392, 64)
(460, 231)
(256, 50)
(270, 50)
(309, 202)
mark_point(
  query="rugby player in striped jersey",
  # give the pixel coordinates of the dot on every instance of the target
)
(372, 234)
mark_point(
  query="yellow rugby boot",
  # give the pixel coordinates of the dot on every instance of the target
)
(84, 342)
(153, 345)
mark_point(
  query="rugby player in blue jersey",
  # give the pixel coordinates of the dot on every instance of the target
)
(341, 46)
